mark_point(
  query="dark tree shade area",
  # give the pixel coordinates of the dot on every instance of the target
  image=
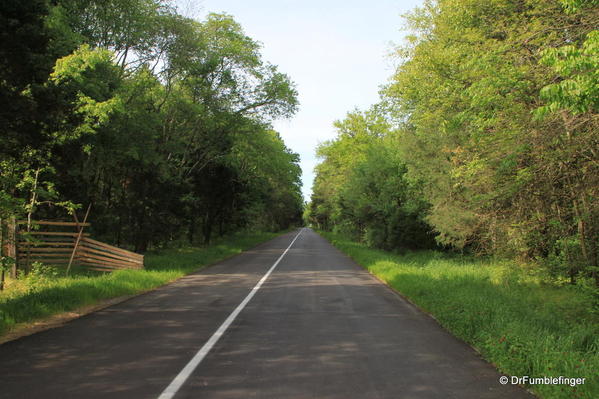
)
(161, 122)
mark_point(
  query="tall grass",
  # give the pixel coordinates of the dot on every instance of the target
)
(46, 292)
(521, 324)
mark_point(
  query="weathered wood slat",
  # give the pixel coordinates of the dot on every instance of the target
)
(26, 244)
(102, 265)
(108, 246)
(45, 254)
(110, 265)
(108, 261)
(103, 258)
(47, 239)
(115, 257)
(55, 233)
(123, 252)
(45, 260)
(111, 248)
(105, 266)
(50, 223)
(38, 249)
(89, 250)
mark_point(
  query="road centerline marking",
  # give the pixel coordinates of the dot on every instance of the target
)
(190, 367)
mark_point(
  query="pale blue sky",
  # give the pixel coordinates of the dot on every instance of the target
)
(335, 51)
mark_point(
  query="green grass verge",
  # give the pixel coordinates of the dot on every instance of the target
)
(40, 296)
(523, 326)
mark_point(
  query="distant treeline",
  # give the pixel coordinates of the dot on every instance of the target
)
(158, 120)
(486, 139)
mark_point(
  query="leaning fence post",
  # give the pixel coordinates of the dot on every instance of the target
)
(78, 239)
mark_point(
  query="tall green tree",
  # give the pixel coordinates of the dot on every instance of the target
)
(361, 187)
(127, 105)
(473, 77)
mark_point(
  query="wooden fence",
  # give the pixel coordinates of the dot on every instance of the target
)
(64, 247)
(100, 256)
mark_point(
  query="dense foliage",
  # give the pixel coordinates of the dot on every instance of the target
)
(493, 132)
(362, 187)
(160, 121)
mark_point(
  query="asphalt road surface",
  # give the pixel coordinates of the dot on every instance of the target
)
(318, 327)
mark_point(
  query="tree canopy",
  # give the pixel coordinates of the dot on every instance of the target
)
(161, 121)
(492, 134)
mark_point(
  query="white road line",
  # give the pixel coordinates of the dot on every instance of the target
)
(180, 379)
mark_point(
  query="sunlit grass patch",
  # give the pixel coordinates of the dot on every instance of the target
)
(524, 326)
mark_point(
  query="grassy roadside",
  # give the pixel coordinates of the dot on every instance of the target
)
(46, 294)
(524, 327)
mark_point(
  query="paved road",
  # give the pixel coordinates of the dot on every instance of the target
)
(319, 327)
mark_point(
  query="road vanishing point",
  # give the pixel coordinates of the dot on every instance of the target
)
(290, 318)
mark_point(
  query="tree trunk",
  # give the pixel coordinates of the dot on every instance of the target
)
(1, 245)
(191, 230)
(221, 227)
(207, 228)
(30, 215)
(9, 242)
(143, 238)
